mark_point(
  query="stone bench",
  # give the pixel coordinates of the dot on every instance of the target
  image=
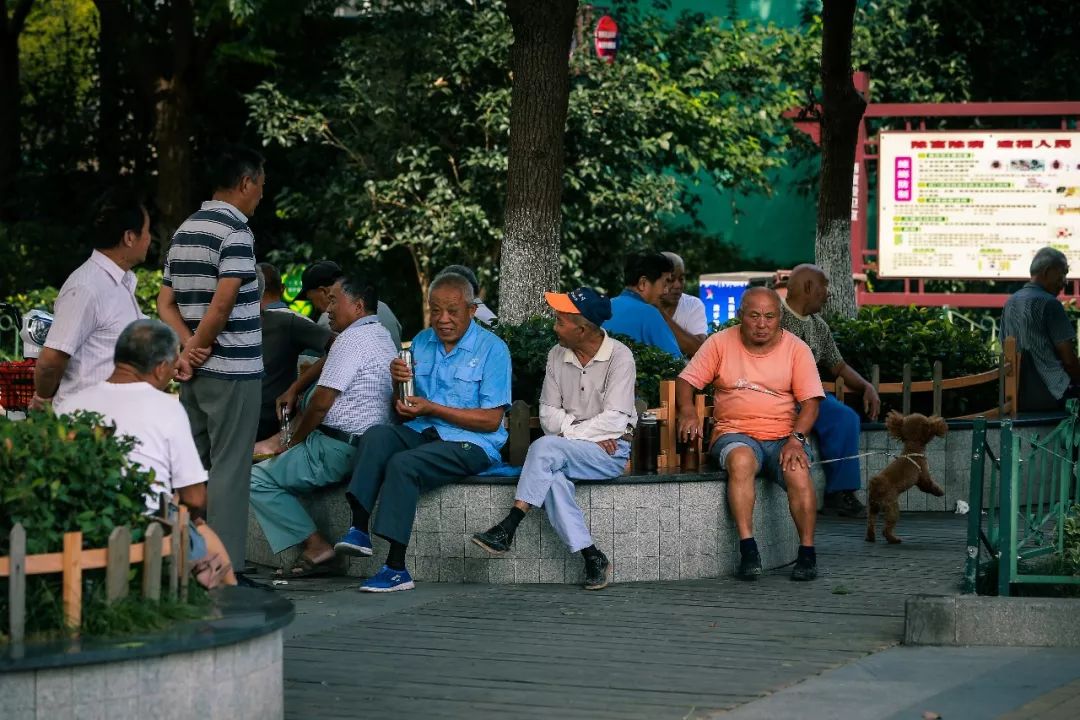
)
(652, 527)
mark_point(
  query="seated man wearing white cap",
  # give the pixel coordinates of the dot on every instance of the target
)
(587, 413)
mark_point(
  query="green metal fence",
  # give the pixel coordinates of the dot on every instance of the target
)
(1027, 488)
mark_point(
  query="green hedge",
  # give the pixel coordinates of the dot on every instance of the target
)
(65, 473)
(889, 337)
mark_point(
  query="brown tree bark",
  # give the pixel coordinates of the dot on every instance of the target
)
(172, 138)
(12, 22)
(167, 71)
(109, 92)
(532, 228)
(842, 110)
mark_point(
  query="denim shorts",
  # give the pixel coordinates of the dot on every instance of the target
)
(767, 453)
(196, 543)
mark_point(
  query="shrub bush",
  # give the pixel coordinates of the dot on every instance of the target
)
(146, 292)
(64, 473)
(530, 342)
(889, 337)
(71, 472)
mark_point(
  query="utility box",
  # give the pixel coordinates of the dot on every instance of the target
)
(722, 293)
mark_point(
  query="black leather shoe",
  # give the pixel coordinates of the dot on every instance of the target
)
(496, 540)
(749, 566)
(844, 504)
(805, 569)
(597, 572)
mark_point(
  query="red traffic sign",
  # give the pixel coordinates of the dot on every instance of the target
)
(606, 38)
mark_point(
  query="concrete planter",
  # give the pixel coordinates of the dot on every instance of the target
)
(227, 667)
(672, 527)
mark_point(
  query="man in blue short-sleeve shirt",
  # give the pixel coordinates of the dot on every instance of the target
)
(453, 428)
(635, 313)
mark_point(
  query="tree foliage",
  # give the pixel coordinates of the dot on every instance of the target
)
(409, 134)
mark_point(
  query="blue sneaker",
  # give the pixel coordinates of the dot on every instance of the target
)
(388, 580)
(355, 542)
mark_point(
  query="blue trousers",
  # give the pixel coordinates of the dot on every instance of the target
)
(838, 428)
(545, 481)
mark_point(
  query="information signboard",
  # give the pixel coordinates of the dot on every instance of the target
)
(976, 205)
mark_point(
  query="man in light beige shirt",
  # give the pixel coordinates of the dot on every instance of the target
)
(587, 413)
(95, 304)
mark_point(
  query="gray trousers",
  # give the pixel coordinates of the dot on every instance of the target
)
(224, 415)
(395, 464)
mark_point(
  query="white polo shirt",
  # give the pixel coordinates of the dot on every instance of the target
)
(690, 315)
(158, 423)
(595, 402)
(95, 304)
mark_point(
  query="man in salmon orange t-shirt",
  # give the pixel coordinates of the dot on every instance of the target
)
(767, 390)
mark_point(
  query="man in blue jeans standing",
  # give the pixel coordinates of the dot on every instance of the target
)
(453, 428)
(837, 425)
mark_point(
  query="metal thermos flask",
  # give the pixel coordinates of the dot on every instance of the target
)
(648, 443)
(407, 388)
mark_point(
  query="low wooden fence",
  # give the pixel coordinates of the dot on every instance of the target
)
(1006, 375)
(117, 559)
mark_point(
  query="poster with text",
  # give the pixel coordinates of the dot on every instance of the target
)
(976, 205)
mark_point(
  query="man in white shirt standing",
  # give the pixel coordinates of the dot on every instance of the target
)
(685, 314)
(588, 416)
(146, 357)
(95, 304)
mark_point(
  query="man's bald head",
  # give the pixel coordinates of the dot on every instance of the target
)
(808, 288)
(755, 295)
(759, 317)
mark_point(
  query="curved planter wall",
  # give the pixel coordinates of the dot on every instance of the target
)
(226, 667)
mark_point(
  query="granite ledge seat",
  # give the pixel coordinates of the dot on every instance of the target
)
(670, 526)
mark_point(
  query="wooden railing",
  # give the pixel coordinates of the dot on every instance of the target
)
(117, 559)
(521, 422)
(1006, 375)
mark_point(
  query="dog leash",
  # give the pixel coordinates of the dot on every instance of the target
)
(907, 456)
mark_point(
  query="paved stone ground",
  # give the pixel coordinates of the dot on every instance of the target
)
(657, 650)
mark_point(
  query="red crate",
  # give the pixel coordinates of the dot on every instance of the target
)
(16, 384)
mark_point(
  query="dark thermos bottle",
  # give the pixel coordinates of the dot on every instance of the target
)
(648, 443)
(688, 456)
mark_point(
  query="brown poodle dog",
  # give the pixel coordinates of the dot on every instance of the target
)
(909, 468)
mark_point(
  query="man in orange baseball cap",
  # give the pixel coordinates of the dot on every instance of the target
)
(588, 416)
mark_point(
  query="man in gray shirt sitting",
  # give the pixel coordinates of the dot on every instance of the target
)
(353, 394)
(587, 413)
(1049, 370)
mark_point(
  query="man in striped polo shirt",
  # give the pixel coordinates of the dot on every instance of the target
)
(210, 297)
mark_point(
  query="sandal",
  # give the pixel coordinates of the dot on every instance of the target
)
(305, 567)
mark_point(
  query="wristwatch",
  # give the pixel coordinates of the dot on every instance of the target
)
(799, 436)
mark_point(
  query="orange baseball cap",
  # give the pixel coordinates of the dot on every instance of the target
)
(584, 301)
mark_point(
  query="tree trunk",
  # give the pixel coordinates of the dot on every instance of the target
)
(11, 25)
(10, 122)
(532, 229)
(172, 138)
(842, 110)
(109, 114)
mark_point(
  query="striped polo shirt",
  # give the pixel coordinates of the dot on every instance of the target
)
(214, 243)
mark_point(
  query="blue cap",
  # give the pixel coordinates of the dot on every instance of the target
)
(584, 301)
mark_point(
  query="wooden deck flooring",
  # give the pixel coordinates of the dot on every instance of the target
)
(640, 650)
